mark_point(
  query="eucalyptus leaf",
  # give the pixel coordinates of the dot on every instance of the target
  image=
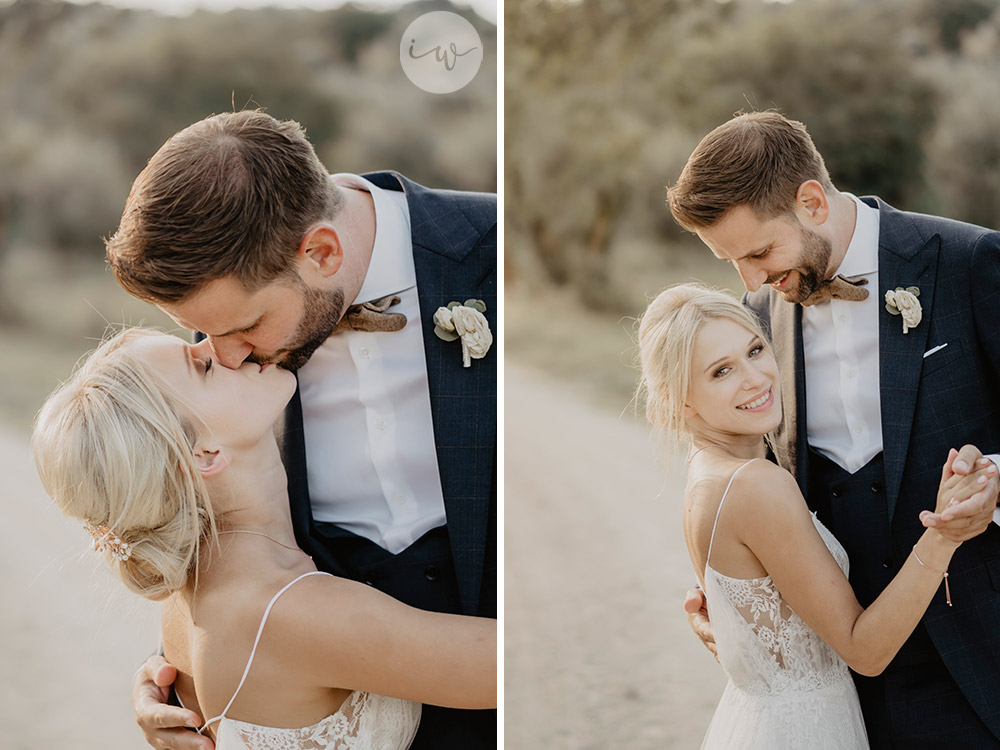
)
(444, 335)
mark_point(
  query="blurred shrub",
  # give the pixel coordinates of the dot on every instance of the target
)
(88, 93)
(605, 99)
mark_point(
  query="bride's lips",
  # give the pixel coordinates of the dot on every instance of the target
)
(760, 403)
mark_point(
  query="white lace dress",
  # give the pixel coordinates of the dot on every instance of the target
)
(787, 688)
(365, 721)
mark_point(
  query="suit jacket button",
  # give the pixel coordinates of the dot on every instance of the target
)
(886, 563)
(837, 490)
(371, 577)
(876, 486)
(431, 573)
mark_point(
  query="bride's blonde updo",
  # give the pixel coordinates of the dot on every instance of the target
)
(114, 448)
(667, 332)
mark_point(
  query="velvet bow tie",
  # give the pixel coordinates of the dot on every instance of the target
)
(839, 287)
(373, 316)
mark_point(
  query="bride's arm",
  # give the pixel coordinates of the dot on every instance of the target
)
(339, 633)
(771, 518)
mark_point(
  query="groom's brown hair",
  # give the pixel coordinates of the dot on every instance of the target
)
(230, 195)
(757, 159)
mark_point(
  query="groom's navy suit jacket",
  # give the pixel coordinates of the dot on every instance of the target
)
(929, 404)
(454, 251)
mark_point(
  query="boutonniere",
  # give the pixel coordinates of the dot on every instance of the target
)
(465, 321)
(900, 301)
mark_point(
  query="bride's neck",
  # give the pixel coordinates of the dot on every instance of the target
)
(737, 446)
(249, 495)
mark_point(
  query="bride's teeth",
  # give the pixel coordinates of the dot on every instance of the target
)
(755, 403)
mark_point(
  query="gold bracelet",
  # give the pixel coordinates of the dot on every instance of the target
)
(944, 573)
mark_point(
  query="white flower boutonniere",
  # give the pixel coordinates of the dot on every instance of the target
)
(900, 301)
(465, 321)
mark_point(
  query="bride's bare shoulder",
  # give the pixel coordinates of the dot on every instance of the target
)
(757, 481)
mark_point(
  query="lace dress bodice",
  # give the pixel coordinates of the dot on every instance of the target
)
(364, 721)
(787, 687)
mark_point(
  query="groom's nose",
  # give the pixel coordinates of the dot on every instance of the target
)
(229, 351)
(752, 277)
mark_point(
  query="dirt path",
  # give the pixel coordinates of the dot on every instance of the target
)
(70, 636)
(598, 653)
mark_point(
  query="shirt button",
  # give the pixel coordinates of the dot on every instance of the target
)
(842, 318)
(365, 352)
(399, 499)
(858, 428)
(850, 373)
(380, 424)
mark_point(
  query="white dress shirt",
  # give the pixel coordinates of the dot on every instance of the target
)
(840, 340)
(372, 461)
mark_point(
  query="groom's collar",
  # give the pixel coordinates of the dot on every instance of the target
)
(390, 269)
(861, 257)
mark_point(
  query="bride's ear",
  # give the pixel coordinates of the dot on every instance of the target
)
(689, 411)
(210, 462)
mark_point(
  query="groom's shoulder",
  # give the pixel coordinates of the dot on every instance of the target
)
(437, 204)
(759, 303)
(894, 223)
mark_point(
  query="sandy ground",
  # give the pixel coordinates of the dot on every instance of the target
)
(598, 653)
(70, 636)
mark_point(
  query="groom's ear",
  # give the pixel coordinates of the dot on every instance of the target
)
(812, 203)
(321, 252)
(210, 462)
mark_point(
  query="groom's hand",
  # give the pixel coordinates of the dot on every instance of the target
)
(697, 612)
(163, 725)
(973, 483)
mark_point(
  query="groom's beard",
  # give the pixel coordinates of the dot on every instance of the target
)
(322, 312)
(813, 263)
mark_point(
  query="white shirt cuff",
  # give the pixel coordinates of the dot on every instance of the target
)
(995, 458)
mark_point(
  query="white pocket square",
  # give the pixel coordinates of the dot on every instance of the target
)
(937, 348)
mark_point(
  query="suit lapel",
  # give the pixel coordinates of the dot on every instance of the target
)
(904, 259)
(463, 400)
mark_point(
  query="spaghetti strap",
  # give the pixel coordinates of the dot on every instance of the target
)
(711, 541)
(253, 651)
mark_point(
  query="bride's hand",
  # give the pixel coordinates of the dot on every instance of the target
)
(966, 500)
(162, 724)
(697, 611)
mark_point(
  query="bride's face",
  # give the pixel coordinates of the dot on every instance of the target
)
(238, 406)
(734, 387)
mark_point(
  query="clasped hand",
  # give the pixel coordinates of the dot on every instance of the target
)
(967, 496)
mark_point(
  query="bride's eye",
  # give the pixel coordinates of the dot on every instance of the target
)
(720, 372)
(756, 350)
